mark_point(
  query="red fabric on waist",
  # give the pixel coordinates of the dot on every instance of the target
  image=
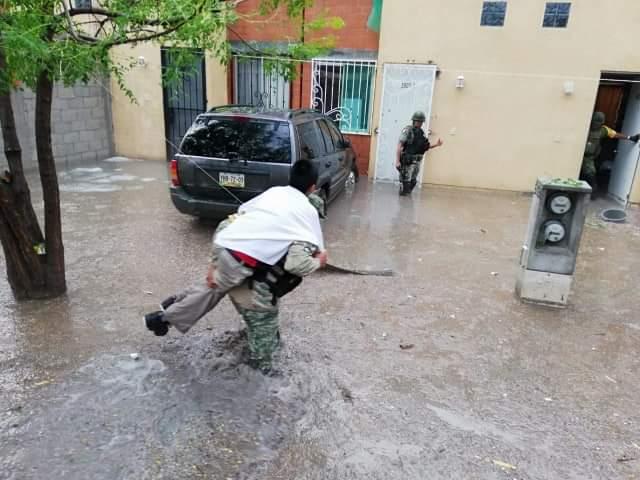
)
(244, 258)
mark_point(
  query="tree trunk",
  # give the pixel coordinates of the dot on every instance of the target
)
(19, 228)
(55, 271)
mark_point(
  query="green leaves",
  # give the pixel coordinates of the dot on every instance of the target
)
(73, 45)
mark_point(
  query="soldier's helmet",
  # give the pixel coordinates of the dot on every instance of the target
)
(597, 121)
(418, 116)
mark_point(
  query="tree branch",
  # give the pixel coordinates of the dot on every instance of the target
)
(93, 11)
(102, 12)
(12, 148)
(72, 30)
(171, 25)
(244, 42)
(256, 50)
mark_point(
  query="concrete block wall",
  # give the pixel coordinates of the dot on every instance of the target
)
(80, 121)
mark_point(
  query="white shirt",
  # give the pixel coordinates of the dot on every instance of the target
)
(268, 224)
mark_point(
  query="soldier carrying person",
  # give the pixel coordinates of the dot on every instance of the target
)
(258, 255)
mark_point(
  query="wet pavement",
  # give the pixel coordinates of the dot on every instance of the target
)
(438, 372)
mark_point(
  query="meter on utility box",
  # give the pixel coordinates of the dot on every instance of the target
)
(548, 257)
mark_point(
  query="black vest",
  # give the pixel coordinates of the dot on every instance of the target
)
(280, 281)
(417, 143)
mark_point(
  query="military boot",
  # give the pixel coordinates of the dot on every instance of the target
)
(154, 322)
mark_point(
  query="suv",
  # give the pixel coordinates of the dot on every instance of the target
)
(233, 153)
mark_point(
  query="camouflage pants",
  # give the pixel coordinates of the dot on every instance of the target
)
(254, 301)
(409, 169)
(589, 170)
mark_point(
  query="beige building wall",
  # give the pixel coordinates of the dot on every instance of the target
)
(512, 122)
(138, 128)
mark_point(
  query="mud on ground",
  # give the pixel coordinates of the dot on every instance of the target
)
(439, 372)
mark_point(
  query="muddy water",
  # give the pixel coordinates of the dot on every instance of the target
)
(485, 387)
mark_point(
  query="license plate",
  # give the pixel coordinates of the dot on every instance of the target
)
(234, 180)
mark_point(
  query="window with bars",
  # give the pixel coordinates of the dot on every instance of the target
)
(255, 85)
(493, 14)
(343, 90)
(556, 15)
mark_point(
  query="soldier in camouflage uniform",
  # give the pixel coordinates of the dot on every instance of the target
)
(597, 133)
(412, 146)
(259, 307)
(251, 292)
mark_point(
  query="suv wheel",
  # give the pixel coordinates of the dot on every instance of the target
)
(355, 171)
(351, 180)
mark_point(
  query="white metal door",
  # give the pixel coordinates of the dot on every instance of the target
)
(405, 89)
(625, 165)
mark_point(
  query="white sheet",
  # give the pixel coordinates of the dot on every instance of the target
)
(268, 224)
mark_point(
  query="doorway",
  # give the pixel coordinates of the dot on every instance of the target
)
(405, 89)
(619, 99)
(183, 100)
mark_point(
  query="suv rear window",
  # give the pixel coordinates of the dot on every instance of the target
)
(239, 138)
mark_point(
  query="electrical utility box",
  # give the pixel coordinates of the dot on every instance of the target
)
(548, 256)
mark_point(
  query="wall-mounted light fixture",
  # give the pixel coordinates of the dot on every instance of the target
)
(142, 62)
(569, 87)
(460, 82)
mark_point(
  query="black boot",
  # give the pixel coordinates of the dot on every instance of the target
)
(594, 186)
(413, 185)
(154, 322)
(406, 188)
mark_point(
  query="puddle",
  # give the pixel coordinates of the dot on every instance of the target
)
(120, 160)
(468, 424)
(86, 170)
(74, 405)
(117, 178)
(89, 188)
(188, 407)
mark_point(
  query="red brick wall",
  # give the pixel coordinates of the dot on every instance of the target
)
(275, 27)
(361, 145)
(279, 27)
(355, 14)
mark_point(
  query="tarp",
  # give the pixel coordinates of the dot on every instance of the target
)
(375, 17)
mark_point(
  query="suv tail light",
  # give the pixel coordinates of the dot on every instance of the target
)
(173, 173)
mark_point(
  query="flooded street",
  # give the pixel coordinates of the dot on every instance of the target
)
(436, 373)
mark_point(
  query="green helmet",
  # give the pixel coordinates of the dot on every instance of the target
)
(418, 116)
(597, 121)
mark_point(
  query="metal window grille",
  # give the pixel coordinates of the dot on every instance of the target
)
(256, 86)
(343, 90)
(556, 14)
(493, 14)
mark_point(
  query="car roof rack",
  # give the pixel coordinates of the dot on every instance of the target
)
(301, 111)
(221, 108)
